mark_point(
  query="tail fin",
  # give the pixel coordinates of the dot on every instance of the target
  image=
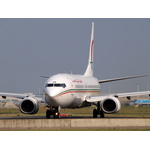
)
(89, 70)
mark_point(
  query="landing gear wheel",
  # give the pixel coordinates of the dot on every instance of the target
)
(95, 113)
(48, 114)
(102, 114)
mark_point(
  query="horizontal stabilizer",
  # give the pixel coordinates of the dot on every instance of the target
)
(44, 76)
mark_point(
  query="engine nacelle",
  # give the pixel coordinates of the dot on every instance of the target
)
(110, 105)
(29, 106)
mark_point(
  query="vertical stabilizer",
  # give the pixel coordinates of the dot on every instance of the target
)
(89, 70)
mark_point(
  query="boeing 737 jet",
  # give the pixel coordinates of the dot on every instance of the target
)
(74, 91)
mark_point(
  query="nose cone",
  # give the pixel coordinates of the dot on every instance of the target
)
(50, 94)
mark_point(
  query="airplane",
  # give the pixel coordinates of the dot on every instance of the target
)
(139, 102)
(74, 91)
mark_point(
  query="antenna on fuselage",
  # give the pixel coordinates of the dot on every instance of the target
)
(89, 70)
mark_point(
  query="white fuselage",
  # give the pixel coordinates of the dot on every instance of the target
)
(69, 91)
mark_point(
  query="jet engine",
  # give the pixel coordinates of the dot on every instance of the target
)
(110, 105)
(29, 105)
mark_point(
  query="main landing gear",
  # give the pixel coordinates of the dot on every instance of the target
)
(52, 112)
(98, 111)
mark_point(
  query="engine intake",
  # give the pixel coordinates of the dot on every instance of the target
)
(29, 106)
(110, 105)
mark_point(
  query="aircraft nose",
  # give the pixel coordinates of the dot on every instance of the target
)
(51, 99)
(50, 92)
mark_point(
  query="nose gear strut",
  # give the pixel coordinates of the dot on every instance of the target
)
(53, 112)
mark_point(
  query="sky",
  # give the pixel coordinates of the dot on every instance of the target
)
(33, 47)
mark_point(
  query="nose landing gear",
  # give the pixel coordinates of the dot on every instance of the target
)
(53, 112)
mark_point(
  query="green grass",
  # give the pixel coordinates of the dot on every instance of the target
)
(126, 111)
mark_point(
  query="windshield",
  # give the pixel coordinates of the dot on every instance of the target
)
(56, 85)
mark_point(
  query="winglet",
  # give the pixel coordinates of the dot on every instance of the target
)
(89, 70)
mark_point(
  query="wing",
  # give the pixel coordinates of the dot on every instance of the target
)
(99, 98)
(131, 94)
(123, 78)
(16, 95)
(22, 96)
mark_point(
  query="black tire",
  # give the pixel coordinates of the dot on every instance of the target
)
(95, 113)
(48, 114)
(102, 114)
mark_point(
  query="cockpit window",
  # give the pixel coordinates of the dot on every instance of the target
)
(50, 85)
(56, 85)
